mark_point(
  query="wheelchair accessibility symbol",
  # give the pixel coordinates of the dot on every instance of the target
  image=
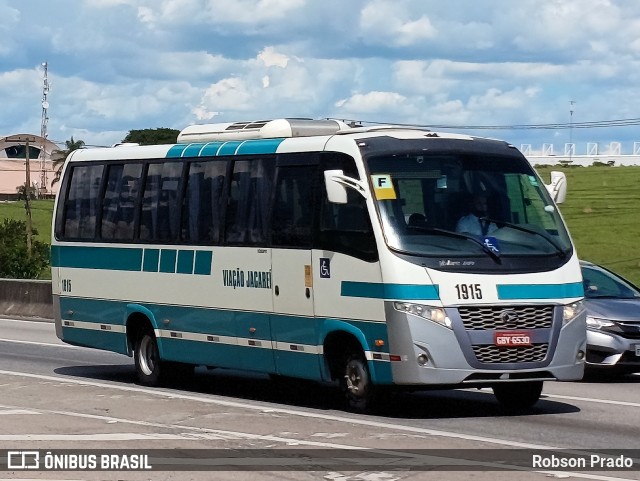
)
(325, 268)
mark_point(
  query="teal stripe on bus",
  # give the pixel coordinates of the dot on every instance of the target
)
(108, 258)
(211, 149)
(229, 148)
(540, 291)
(234, 147)
(151, 260)
(203, 263)
(176, 151)
(267, 146)
(376, 290)
(192, 150)
(171, 261)
(221, 322)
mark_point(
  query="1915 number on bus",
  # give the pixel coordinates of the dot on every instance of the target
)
(65, 284)
(469, 291)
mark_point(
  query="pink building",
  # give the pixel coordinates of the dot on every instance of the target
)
(13, 165)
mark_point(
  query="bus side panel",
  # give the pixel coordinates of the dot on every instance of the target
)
(348, 298)
(89, 322)
(294, 328)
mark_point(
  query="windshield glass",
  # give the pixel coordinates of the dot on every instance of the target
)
(465, 204)
(599, 283)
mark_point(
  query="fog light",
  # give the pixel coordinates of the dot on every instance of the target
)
(580, 355)
(423, 359)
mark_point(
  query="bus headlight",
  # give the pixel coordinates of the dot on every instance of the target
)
(571, 311)
(435, 314)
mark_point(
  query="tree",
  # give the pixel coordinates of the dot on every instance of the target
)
(162, 135)
(59, 157)
(14, 261)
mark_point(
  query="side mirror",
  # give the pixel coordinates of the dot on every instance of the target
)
(336, 184)
(558, 186)
(336, 191)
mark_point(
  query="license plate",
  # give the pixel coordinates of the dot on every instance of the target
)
(512, 338)
(638, 350)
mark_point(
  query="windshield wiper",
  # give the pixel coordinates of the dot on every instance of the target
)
(434, 230)
(562, 253)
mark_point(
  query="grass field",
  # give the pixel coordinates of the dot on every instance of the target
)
(41, 211)
(602, 211)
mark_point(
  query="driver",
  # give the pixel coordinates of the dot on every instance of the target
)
(475, 222)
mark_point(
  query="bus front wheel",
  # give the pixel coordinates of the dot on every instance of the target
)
(147, 359)
(518, 395)
(356, 384)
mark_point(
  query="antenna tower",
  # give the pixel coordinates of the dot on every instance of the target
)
(43, 127)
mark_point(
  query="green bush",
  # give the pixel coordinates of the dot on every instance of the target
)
(15, 263)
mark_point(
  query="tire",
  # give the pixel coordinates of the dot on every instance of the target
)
(518, 396)
(356, 385)
(147, 359)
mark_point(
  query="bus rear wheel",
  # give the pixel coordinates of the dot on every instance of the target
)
(147, 359)
(518, 396)
(356, 384)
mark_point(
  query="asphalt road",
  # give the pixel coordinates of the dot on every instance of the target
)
(59, 397)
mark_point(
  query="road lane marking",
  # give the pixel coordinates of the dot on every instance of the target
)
(91, 437)
(341, 419)
(264, 407)
(591, 400)
(48, 344)
(198, 433)
(11, 412)
(43, 321)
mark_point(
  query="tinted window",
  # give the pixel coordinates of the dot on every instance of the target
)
(346, 227)
(292, 220)
(203, 202)
(118, 206)
(81, 204)
(160, 206)
(249, 199)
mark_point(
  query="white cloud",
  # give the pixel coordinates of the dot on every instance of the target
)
(108, 3)
(494, 100)
(122, 64)
(217, 12)
(227, 94)
(392, 22)
(372, 102)
(271, 58)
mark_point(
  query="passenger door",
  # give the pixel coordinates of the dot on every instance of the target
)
(293, 325)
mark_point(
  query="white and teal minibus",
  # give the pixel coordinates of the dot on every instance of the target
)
(309, 249)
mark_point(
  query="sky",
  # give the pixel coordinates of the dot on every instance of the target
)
(119, 65)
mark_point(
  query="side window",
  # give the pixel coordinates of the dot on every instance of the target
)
(118, 207)
(292, 220)
(249, 199)
(81, 204)
(346, 227)
(160, 206)
(203, 203)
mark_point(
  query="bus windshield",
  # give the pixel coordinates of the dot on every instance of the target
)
(465, 204)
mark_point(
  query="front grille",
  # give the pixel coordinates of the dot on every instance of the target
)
(493, 317)
(490, 354)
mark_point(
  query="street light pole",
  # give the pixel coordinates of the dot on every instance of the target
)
(571, 104)
(27, 201)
